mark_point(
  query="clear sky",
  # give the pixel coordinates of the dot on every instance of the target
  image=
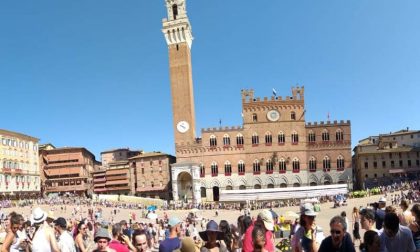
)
(94, 73)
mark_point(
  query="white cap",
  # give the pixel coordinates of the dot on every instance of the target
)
(382, 200)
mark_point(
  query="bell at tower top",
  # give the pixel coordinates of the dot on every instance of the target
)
(177, 27)
(176, 9)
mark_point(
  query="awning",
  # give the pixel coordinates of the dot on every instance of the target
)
(117, 182)
(151, 189)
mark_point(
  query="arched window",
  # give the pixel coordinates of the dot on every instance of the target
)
(202, 171)
(295, 137)
(281, 138)
(292, 115)
(326, 164)
(228, 168)
(226, 140)
(339, 136)
(255, 139)
(254, 118)
(256, 167)
(268, 138)
(312, 164)
(214, 169)
(296, 165)
(213, 141)
(325, 135)
(282, 165)
(240, 140)
(269, 166)
(311, 137)
(340, 163)
(241, 167)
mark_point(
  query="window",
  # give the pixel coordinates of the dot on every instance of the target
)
(295, 138)
(202, 171)
(142, 170)
(214, 169)
(325, 136)
(326, 164)
(366, 176)
(282, 166)
(340, 163)
(213, 141)
(268, 138)
(392, 164)
(312, 164)
(228, 168)
(296, 165)
(240, 140)
(256, 167)
(399, 154)
(401, 163)
(390, 155)
(281, 138)
(241, 167)
(417, 162)
(254, 118)
(292, 115)
(409, 163)
(383, 164)
(311, 137)
(366, 165)
(375, 164)
(226, 140)
(339, 137)
(269, 166)
(255, 139)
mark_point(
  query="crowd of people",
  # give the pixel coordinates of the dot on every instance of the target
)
(390, 224)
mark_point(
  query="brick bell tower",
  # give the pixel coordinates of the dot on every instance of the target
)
(177, 32)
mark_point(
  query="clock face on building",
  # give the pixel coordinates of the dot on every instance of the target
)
(273, 115)
(183, 126)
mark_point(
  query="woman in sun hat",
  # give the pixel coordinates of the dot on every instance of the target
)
(211, 236)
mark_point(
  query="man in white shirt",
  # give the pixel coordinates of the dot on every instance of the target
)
(396, 237)
(65, 240)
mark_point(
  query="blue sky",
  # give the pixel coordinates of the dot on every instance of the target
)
(95, 73)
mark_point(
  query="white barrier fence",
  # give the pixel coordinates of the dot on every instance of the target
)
(282, 193)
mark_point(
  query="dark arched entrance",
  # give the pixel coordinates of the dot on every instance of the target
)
(216, 193)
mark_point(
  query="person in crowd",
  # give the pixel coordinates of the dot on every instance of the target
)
(339, 240)
(211, 236)
(140, 241)
(13, 242)
(265, 221)
(415, 225)
(227, 234)
(120, 242)
(102, 240)
(309, 236)
(236, 239)
(367, 219)
(380, 213)
(356, 224)
(258, 236)
(371, 242)
(187, 245)
(396, 237)
(172, 242)
(43, 238)
(405, 216)
(65, 240)
(81, 240)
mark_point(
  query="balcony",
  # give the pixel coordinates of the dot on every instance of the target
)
(269, 172)
(96, 180)
(66, 188)
(112, 178)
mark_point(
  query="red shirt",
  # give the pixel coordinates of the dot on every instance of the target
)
(248, 245)
(118, 246)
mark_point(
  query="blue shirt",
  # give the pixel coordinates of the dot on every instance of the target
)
(170, 244)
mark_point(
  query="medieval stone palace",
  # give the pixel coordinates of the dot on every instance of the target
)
(275, 147)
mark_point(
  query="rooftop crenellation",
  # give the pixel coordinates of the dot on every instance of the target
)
(297, 95)
(219, 129)
(328, 123)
